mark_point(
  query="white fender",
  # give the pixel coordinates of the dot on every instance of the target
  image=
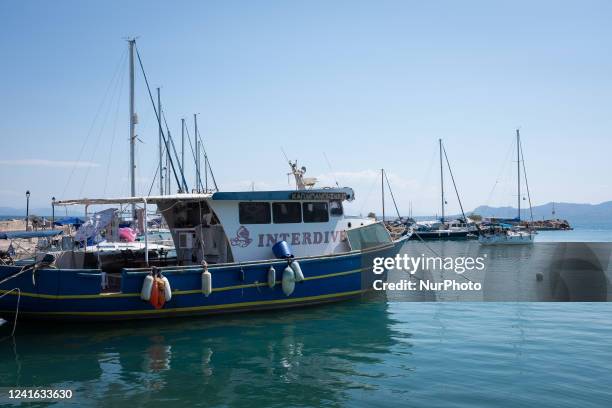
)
(147, 285)
(206, 283)
(167, 289)
(288, 281)
(299, 276)
(271, 277)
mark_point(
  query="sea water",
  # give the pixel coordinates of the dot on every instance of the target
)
(367, 352)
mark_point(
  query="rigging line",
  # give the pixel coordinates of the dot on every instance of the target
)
(392, 197)
(331, 170)
(367, 196)
(454, 184)
(110, 153)
(153, 182)
(163, 112)
(207, 161)
(157, 115)
(91, 127)
(115, 92)
(502, 169)
(425, 180)
(194, 157)
(526, 183)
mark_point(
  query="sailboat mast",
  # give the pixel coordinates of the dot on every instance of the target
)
(197, 151)
(131, 43)
(161, 172)
(441, 180)
(518, 171)
(382, 189)
(183, 144)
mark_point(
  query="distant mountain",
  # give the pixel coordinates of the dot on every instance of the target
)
(568, 211)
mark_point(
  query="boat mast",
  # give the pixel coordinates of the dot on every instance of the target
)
(518, 171)
(382, 189)
(441, 180)
(161, 173)
(131, 43)
(183, 144)
(197, 147)
(205, 170)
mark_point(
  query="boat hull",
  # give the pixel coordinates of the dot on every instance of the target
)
(439, 235)
(526, 239)
(75, 294)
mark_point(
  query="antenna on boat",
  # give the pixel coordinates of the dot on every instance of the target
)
(301, 182)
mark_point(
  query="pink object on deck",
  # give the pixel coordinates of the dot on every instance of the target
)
(127, 234)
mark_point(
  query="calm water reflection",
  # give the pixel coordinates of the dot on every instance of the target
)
(368, 352)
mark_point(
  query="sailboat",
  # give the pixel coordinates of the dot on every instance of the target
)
(505, 234)
(444, 228)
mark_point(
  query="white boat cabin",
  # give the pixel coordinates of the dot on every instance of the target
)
(244, 226)
(226, 227)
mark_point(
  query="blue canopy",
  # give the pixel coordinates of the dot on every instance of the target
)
(29, 234)
(69, 221)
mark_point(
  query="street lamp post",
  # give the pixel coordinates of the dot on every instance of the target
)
(52, 212)
(27, 209)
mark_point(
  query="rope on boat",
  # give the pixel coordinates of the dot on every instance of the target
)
(158, 116)
(526, 182)
(23, 269)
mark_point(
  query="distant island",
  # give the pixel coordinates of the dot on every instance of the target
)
(569, 211)
(575, 213)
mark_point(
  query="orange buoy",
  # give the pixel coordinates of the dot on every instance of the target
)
(158, 297)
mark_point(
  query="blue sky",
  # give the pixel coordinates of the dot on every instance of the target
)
(369, 84)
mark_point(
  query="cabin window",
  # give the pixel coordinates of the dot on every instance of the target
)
(335, 208)
(254, 213)
(284, 213)
(315, 212)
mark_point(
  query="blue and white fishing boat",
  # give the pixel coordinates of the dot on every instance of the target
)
(233, 251)
(225, 262)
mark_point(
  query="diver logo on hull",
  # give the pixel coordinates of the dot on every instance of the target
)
(242, 239)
